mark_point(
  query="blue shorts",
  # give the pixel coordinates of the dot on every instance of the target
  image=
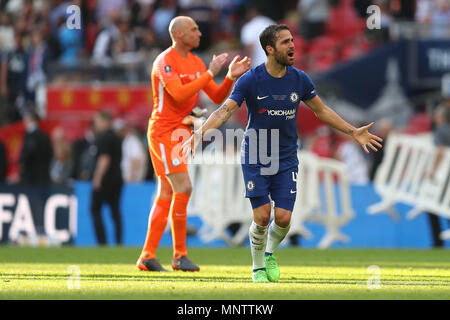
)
(282, 187)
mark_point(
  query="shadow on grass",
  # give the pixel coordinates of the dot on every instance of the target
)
(289, 257)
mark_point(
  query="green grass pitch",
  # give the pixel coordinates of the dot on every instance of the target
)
(110, 273)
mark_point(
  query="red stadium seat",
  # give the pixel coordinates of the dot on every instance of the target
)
(323, 44)
(349, 51)
(353, 24)
(419, 123)
(91, 34)
(300, 47)
(322, 53)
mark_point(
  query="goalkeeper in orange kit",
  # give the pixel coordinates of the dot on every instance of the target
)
(177, 77)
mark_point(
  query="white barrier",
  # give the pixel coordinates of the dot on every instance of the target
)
(328, 204)
(218, 199)
(404, 176)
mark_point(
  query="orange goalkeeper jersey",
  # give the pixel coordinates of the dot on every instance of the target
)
(176, 81)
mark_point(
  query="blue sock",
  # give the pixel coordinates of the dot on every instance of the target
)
(266, 254)
(254, 270)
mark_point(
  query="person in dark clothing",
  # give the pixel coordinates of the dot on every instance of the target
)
(36, 155)
(84, 153)
(441, 139)
(3, 163)
(38, 60)
(13, 79)
(383, 129)
(107, 179)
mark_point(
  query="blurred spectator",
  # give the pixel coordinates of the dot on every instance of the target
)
(315, 14)
(107, 180)
(440, 20)
(147, 42)
(402, 9)
(36, 153)
(134, 155)
(436, 14)
(6, 32)
(125, 54)
(58, 136)
(161, 18)
(141, 12)
(12, 6)
(256, 23)
(13, 78)
(204, 12)
(424, 8)
(107, 7)
(3, 163)
(441, 137)
(441, 133)
(51, 39)
(38, 58)
(83, 156)
(61, 165)
(71, 44)
(383, 128)
(27, 13)
(58, 13)
(349, 152)
(124, 47)
(102, 52)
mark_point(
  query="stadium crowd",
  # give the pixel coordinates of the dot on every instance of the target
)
(119, 39)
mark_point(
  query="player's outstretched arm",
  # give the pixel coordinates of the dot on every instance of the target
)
(361, 135)
(215, 120)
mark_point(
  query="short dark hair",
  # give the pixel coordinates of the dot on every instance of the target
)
(32, 114)
(268, 37)
(105, 115)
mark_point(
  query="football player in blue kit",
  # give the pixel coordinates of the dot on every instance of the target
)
(272, 92)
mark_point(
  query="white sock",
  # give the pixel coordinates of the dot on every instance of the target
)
(276, 235)
(258, 240)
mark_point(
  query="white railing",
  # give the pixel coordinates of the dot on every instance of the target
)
(323, 197)
(405, 176)
(218, 198)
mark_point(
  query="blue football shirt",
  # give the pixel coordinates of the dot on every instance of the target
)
(272, 107)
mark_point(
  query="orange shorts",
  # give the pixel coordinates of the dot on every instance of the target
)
(166, 151)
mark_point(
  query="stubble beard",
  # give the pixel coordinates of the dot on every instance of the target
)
(282, 59)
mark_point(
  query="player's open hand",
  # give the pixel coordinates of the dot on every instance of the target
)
(238, 67)
(365, 138)
(192, 121)
(217, 63)
(188, 147)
